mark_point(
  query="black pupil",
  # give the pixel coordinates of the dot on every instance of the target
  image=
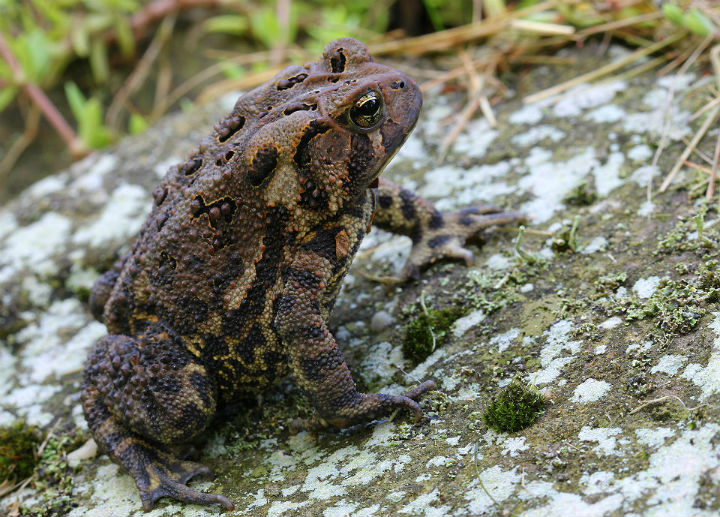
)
(369, 107)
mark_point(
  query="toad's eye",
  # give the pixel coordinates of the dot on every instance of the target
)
(367, 110)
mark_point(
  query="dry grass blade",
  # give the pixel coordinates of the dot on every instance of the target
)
(619, 24)
(551, 29)
(709, 119)
(141, 71)
(713, 172)
(604, 70)
(32, 122)
(240, 83)
(450, 38)
(689, 149)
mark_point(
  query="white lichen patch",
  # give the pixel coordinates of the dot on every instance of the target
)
(8, 223)
(27, 402)
(604, 436)
(646, 287)
(57, 342)
(551, 358)
(33, 246)
(640, 153)
(382, 361)
(606, 114)
(121, 218)
(611, 323)
(537, 134)
(7, 370)
(514, 446)
(528, 114)
(596, 245)
(551, 181)
(707, 378)
(590, 391)
(501, 342)
(476, 139)
(496, 481)
(653, 437)
(467, 322)
(607, 175)
(452, 187)
(669, 363)
(585, 96)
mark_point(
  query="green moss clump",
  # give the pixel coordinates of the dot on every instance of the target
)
(418, 342)
(515, 408)
(18, 443)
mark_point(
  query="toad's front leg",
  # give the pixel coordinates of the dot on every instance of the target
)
(435, 235)
(315, 359)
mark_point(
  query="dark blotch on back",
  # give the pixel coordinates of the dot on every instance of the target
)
(338, 61)
(302, 155)
(284, 84)
(263, 165)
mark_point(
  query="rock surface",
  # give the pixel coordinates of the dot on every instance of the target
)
(616, 321)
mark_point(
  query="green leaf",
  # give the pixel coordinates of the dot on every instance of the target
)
(98, 60)
(125, 37)
(265, 27)
(232, 71)
(76, 100)
(7, 95)
(697, 23)
(137, 124)
(80, 40)
(673, 13)
(90, 125)
(227, 24)
(36, 58)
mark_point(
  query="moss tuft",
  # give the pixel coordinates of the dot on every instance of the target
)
(18, 443)
(515, 408)
(419, 342)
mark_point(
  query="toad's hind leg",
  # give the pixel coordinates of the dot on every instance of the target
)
(142, 395)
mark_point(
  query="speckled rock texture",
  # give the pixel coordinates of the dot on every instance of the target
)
(607, 303)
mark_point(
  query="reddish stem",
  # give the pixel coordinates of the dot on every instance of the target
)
(158, 10)
(41, 100)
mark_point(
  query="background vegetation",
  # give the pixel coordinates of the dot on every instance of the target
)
(75, 75)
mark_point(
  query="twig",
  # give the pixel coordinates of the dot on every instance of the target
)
(141, 71)
(603, 70)
(711, 186)
(689, 149)
(48, 109)
(158, 10)
(663, 399)
(427, 315)
(18, 146)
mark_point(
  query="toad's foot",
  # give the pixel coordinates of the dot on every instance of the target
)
(373, 405)
(167, 477)
(447, 236)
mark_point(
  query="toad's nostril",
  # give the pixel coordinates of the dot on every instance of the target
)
(398, 85)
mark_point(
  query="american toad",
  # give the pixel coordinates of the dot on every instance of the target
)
(231, 282)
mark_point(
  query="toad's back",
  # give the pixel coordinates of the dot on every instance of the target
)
(283, 171)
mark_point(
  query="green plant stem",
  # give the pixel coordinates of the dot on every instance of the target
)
(48, 109)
